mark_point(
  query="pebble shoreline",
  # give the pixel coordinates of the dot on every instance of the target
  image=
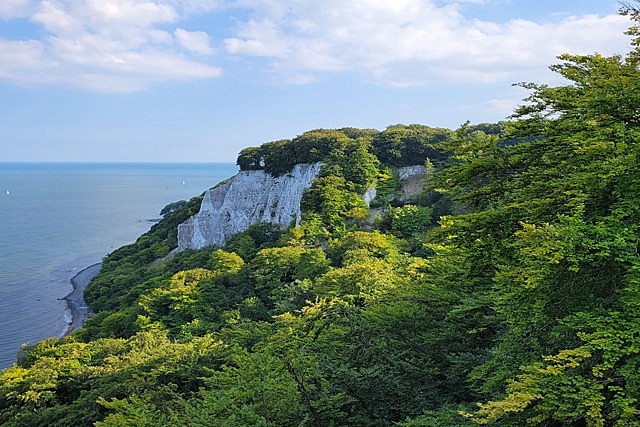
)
(76, 305)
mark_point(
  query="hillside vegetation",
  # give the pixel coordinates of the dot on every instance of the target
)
(507, 295)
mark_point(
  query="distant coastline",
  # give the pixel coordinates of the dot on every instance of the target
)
(108, 202)
(77, 307)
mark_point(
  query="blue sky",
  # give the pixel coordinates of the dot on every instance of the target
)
(198, 80)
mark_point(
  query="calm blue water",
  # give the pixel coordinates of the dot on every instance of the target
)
(57, 219)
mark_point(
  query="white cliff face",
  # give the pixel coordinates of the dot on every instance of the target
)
(406, 172)
(248, 198)
(370, 195)
(412, 179)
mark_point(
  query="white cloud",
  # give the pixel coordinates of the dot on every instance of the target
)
(195, 41)
(130, 12)
(190, 7)
(504, 107)
(108, 45)
(56, 19)
(14, 8)
(22, 55)
(409, 42)
(260, 38)
(471, 1)
(116, 45)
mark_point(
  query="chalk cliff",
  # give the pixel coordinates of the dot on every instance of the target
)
(255, 196)
(412, 179)
(248, 198)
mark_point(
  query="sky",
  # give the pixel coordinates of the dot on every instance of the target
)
(198, 80)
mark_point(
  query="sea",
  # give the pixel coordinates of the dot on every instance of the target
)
(56, 219)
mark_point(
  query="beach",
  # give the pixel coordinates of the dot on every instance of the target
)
(76, 305)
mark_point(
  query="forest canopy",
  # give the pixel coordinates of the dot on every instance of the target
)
(510, 296)
(397, 145)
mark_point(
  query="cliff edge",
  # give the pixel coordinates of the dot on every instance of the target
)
(250, 197)
(254, 196)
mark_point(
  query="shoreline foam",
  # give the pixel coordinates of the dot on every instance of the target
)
(76, 306)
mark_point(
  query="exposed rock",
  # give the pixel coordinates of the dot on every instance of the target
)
(407, 171)
(254, 196)
(370, 195)
(250, 197)
(412, 179)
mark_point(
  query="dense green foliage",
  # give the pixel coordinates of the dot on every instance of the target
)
(403, 145)
(515, 302)
(398, 145)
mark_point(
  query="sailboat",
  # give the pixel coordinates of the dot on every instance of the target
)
(8, 192)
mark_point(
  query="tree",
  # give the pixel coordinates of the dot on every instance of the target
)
(574, 271)
(250, 158)
(172, 207)
(408, 145)
(281, 275)
(334, 199)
